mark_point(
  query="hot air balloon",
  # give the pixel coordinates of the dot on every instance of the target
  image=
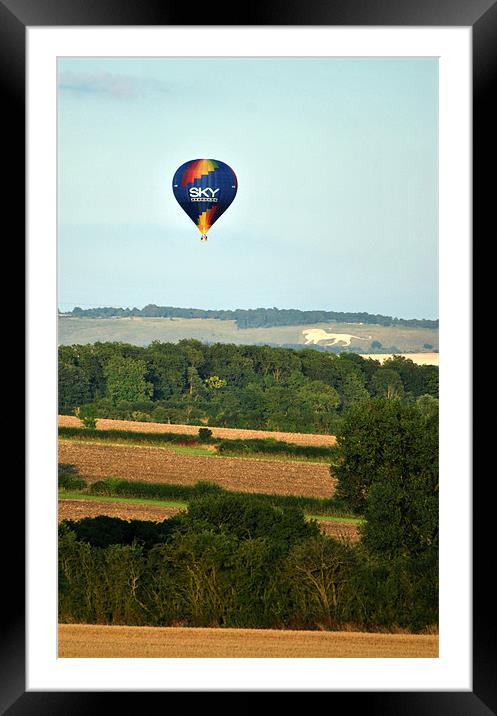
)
(204, 188)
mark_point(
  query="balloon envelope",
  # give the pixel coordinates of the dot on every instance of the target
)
(204, 188)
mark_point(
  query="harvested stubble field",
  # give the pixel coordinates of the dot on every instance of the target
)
(72, 509)
(227, 433)
(95, 461)
(98, 641)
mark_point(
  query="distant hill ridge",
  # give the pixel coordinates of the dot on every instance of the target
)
(254, 317)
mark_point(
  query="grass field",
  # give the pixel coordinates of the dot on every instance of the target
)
(97, 641)
(142, 331)
(229, 433)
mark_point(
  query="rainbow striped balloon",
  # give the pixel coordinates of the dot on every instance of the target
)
(204, 188)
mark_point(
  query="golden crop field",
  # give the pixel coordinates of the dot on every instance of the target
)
(418, 358)
(228, 433)
(95, 461)
(98, 641)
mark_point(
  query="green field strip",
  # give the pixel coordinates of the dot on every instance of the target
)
(70, 495)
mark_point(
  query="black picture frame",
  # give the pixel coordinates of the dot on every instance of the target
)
(481, 15)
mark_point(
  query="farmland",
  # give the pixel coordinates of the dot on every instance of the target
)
(95, 461)
(236, 560)
(177, 465)
(99, 641)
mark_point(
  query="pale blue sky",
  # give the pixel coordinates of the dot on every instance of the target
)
(336, 161)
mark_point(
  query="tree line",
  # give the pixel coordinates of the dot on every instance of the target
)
(240, 386)
(255, 317)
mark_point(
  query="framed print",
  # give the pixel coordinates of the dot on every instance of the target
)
(61, 54)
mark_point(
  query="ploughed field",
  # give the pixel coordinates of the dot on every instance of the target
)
(71, 509)
(99, 641)
(228, 433)
(95, 461)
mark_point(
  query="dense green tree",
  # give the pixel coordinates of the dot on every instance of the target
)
(126, 380)
(411, 376)
(103, 531)
(402, 512)
(167, 370)
(223, 408)
(386, 462)
(253, 409)
(377, 436)
(74, 387)
(228, 362)
(248, 518)
(428, 405)
(387, 383)
(351, 369)
(321, 401)
(430, 379)
(255, 586)
(278, 363)
(353, 389)
(402, 506)
(400, 591)
(87, 414)
(193, 351)
(214, 382)
(320, 571)
(195, 385)
(320, 366)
